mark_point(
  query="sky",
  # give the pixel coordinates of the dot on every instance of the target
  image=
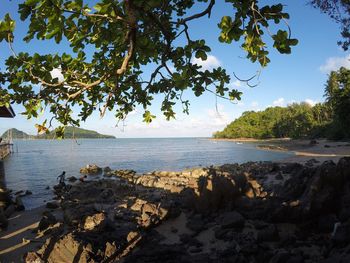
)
(298, 77)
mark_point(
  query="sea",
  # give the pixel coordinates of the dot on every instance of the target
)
(35, 164)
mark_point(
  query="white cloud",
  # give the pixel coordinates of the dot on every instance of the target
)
(254, 104)
(57, 73)
(205, 123)
(310, 102)
(237, 83)
(334, 63)
(240, 104)
(279, 102)
(218, 117)
(210, 63)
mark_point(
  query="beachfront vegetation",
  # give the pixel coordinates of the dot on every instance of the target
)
(295, 121)
(329, 120)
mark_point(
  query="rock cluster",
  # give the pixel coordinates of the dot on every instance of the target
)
(91, 169)
(10, 203)
(253, 212)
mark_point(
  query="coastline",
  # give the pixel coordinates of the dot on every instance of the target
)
(320, 150)
(302, 149)
(211, 214)
(176, 207)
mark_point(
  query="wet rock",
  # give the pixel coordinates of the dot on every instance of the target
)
(19, 204)
(72, 179)
(91, 169)
(108, 174)
(107, 169)
(52, 205)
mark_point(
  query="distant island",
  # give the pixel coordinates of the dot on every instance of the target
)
(69, 133)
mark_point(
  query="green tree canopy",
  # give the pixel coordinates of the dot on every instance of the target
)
(295, 121)
(337, 93)
(126, 37)
(113, 42)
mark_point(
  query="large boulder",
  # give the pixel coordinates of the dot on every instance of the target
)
(46, 221)
(91, 169)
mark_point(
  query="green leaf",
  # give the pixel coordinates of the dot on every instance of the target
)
(148, 117)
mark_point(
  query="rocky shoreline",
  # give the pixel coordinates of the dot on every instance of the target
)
(253, 212)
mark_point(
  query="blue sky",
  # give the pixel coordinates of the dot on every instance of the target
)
(298, 77)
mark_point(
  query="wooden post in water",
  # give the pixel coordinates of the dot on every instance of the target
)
(4, 194)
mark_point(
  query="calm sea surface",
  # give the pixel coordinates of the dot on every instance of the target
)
(37, 163)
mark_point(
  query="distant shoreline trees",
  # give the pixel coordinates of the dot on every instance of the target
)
(330, 119)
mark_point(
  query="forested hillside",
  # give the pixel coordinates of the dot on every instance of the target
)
(330, 119)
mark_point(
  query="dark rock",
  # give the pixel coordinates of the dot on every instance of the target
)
(46, 221)
(267, 234)
(326, 223)
(342, 234)
(279, 176)
(52, 205)
(47, 187)
(280, 257)
(232, 220)
(107, 193)
(28, 192)
(196, 223)
(19, 192)
(72, 179)
(107, 169)
(313, 142)
(73, 215)
(311, 162)
(3, 220)
(19, 204)
(10, 210)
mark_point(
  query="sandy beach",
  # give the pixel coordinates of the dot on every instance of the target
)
(21, 234)
(303, 150)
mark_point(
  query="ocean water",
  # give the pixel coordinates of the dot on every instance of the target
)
(37, 163)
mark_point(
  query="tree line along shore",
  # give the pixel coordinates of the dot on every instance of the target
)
(330, 119)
